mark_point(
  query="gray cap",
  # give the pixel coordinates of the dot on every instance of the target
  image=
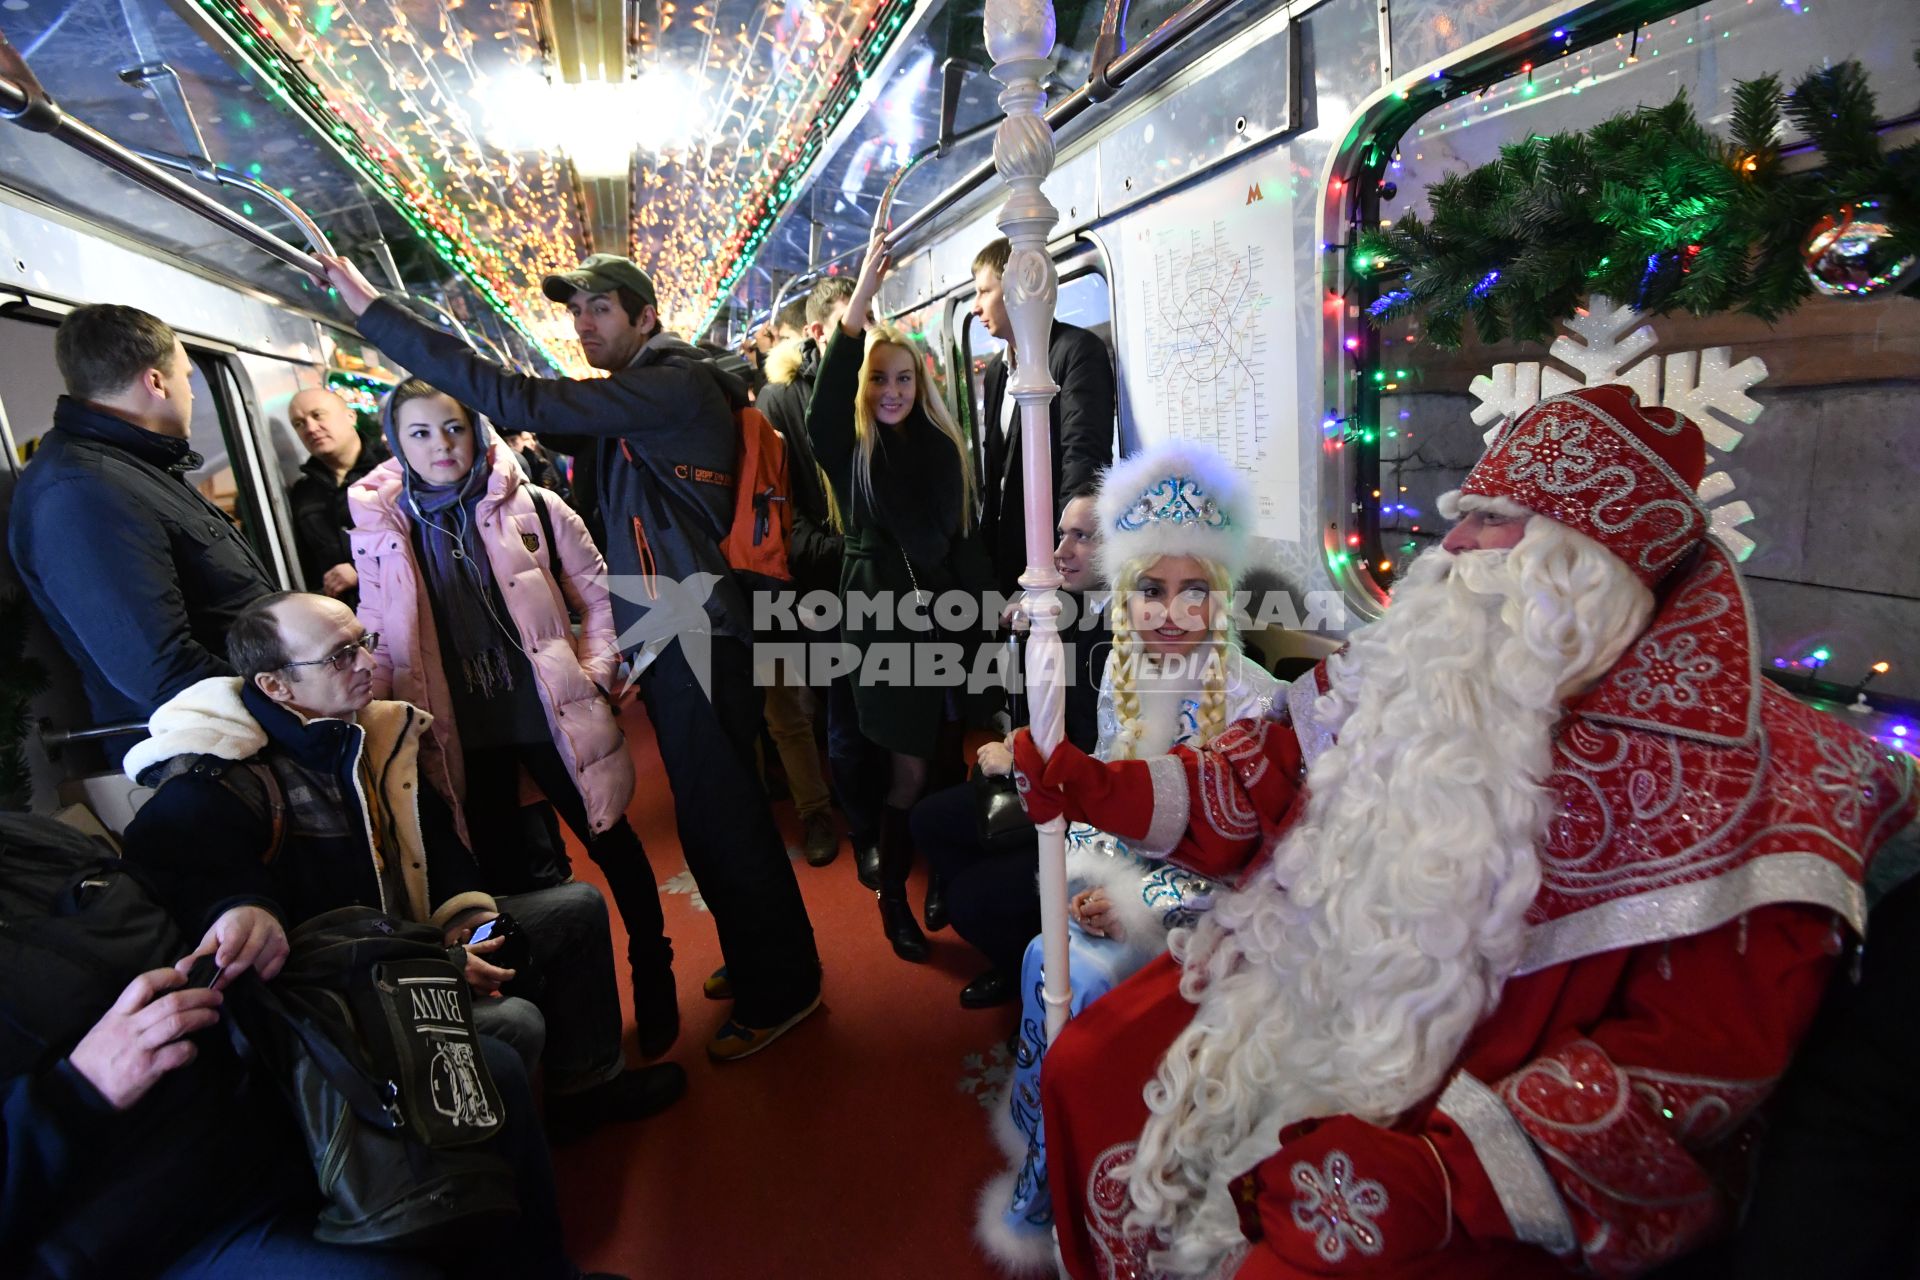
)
(600, 273)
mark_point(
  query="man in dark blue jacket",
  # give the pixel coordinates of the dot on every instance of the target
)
(138, 574)
(667, 450)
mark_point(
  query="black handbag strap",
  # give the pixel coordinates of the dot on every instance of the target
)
(546, 530)
(375, 1102)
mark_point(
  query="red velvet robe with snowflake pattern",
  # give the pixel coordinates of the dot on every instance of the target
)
(1711, 841)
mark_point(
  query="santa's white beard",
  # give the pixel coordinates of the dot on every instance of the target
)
(1346, 975)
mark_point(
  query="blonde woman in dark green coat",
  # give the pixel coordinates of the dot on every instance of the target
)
(900, 468)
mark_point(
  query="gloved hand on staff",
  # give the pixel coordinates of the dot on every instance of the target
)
(1117, 797)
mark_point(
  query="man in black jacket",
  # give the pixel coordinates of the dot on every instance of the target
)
(338, 457)
(292, 789)
(1082, 420)
(137, 573)
(667, 449)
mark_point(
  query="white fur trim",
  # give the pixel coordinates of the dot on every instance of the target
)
(784, 362)
(1018, 1253)
(1127, 480)
(1006, 1134)
(207, 718)
(1121, 875)
(1453, 504)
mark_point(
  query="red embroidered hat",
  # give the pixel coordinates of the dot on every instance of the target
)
(1597, 462)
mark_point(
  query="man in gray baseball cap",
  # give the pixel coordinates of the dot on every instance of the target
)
(615, 310)
(659, 431)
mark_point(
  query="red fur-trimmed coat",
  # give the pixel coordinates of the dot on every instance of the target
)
(1707, 855)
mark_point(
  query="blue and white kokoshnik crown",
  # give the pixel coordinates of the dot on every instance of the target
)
(1178, 500)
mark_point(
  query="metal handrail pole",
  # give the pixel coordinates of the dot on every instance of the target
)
(51, 737)
(23, 101)
(219, 173)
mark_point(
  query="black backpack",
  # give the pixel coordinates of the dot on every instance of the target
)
(76, 925)
(369, 1028)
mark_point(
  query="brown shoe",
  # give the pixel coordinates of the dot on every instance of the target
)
(821, 842)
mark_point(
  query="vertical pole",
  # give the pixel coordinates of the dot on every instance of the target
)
(1020, 38)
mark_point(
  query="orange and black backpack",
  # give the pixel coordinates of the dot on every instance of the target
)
(755, 544)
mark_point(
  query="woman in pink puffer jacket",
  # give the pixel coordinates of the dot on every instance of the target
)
(468, 572)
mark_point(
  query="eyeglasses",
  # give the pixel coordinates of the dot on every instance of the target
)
(342, 658)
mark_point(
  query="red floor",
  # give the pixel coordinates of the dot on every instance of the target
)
(852, 1147)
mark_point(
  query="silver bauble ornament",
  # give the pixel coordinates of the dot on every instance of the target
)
(1849, 253)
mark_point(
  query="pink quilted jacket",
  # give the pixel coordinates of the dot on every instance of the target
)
(570, 672)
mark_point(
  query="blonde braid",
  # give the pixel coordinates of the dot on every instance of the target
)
(1126, 698)
(1213, 700)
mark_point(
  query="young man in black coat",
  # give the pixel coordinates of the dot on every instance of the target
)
(1082, 420)
(666, 450)
(338, 458)
(137, 573)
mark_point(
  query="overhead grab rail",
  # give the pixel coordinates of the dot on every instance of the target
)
(27, 104)
(1112, 69)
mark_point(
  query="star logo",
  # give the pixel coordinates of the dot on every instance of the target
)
(672, 609)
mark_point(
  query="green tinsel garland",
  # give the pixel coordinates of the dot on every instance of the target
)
(1648, 205)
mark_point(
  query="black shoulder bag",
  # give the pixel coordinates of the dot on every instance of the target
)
(369, 1029)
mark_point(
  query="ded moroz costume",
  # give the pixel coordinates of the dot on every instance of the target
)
(1493, 999)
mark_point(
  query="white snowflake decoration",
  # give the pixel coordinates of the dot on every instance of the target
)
(683, 882)
(984, 1076)
(1603, 344)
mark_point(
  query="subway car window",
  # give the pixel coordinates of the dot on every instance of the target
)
(32, 381)
(1837, 404)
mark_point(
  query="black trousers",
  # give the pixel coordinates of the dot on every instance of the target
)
(993, 899)
(494, 825)
(1838, 1191)
(727, 832)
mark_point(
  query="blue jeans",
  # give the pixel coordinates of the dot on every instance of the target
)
(571, 1018)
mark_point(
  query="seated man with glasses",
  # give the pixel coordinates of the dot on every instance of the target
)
(289, 787)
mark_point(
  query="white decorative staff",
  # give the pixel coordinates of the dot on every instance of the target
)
(1020, 36)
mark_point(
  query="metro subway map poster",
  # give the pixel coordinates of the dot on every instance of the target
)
(1207, 338)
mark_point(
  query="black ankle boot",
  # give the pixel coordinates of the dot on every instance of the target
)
(896, 860)
(866, 862)
(935, 911)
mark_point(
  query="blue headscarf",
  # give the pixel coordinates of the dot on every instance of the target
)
(459, 576)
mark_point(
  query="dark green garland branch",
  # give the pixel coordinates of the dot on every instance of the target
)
(1648, 205)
